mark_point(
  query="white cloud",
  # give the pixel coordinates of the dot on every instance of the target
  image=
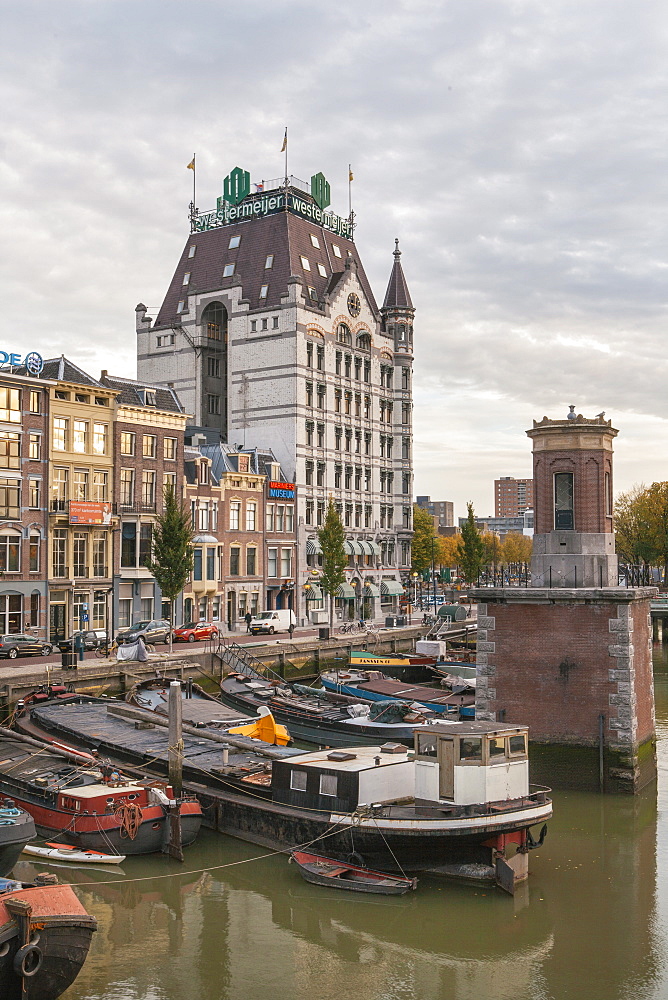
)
(517, 148)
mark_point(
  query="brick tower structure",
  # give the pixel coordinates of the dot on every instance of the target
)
(571, 655)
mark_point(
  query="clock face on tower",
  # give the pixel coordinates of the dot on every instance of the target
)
(353, 304)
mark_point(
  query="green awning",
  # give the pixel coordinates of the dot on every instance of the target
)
(314, 592)
(345, 590)
(375, 548)
(390, 588)
(368, 547)
(313, 547)
(349, 547)
(371, 590)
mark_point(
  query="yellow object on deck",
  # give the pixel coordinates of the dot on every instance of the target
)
(266, 729)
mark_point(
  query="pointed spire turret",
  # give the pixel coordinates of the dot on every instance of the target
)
(397, 295)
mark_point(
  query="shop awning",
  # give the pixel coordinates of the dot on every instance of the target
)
(205, 540)
(345, 590)
(375, 548)
(313, 547)
(350, 547)
(371, 590)
(366, 548)
(314, 592)
(390, 588)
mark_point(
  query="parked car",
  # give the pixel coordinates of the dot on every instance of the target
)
(196, 631)
(89, 638)
(23, 645)
(154, 631)
(273, 621)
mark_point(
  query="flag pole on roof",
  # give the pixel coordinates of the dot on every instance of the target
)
(193, 210)
(284, 149)
(351, 214)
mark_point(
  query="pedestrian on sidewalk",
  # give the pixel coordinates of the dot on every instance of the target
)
(248, 618)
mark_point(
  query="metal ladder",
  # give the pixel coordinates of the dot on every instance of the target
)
(241, 660)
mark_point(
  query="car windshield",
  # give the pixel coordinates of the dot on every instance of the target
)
(138, 625)
(263, 616)
(187, 625)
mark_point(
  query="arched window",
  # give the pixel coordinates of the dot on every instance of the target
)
(343, 334)
(214, 321)
(364, 341)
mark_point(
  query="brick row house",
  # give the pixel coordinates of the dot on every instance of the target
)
(24, 449)
(244, 542)
(83, 467)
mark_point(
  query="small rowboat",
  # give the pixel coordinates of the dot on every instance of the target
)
(61, 852)
(340, 875)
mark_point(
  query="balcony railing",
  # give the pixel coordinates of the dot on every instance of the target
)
(135, 508)
(60, 573)
(81, 572)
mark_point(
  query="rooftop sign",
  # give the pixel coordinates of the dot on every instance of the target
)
(32, 361)
(238, 204)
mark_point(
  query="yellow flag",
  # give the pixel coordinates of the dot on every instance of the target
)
(191, 165)
(350, 175)
(285, 142)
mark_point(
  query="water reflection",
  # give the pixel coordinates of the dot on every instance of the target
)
(590, 924)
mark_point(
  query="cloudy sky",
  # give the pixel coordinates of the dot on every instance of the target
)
(516, 147)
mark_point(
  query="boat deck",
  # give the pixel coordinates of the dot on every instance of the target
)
(92, 725)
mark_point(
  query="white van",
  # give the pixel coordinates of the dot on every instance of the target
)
(273, 621)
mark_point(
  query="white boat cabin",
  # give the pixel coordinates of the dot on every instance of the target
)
(463, 763)
(454, 763)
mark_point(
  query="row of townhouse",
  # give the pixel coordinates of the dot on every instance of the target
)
(83, 467)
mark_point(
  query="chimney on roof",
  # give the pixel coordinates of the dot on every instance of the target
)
(104, 373)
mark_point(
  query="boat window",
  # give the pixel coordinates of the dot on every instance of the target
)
(328, 784)
(298, 780)
(517, 745)
(497, 747)
(470, 748)
(426, 745)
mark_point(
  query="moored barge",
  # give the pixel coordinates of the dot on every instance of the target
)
(461, 796)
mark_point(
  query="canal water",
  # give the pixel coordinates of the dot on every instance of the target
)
(591, 924)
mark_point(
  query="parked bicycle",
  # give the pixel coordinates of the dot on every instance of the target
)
(355, 627)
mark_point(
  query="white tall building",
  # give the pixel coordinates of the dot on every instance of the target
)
(272, 338)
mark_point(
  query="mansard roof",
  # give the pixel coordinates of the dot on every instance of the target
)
(64, 370)
(133, 393)
(397, 295)
(285, 236)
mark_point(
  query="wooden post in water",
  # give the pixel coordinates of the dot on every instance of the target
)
(172, 843)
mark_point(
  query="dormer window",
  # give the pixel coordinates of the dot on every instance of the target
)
(203, 472)
(186, 278)
(269, 262)
(191, 252)
(336, 251)
(234, 242)
(314, 241)
(305, 263)
(228, 270)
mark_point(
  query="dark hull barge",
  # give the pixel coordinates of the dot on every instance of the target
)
(17, 828)
(45, 935)
(313, 716)
(462, 796)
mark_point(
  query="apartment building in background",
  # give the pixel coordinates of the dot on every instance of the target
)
(512, 496)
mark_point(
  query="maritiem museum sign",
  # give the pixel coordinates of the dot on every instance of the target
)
(238, 204)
